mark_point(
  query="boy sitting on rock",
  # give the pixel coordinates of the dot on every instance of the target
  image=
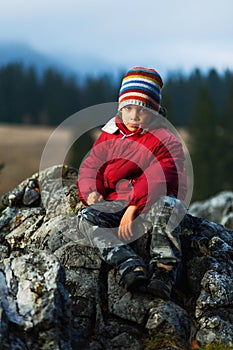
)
(135, 174)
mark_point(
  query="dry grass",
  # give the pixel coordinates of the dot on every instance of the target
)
(21, 148)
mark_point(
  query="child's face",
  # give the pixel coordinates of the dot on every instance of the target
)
(133, 116)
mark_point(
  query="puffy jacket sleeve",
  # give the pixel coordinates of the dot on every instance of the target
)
(164, 175)
(91, 170)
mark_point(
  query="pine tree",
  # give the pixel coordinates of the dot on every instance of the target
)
(204, 146)
(225, 130)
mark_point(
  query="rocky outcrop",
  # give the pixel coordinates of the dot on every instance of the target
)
(218, 208)
(56, 293)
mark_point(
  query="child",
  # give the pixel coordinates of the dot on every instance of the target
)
(135, 170)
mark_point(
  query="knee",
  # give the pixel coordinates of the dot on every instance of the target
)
(169, 208)
(172, 203)
(169, 201)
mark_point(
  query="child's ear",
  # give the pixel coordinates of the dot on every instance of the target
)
(163, 111)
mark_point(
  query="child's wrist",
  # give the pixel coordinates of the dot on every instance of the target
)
(133, 207)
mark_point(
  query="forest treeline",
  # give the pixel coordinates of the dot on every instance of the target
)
(26, 97)
(201, 103)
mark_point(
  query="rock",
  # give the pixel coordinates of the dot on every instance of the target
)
(34, 302)
(227, 220)
(56, 293)
(173, 320)
(27, 193)
(218, 208)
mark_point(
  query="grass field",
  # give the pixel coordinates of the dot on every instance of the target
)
(21, 148)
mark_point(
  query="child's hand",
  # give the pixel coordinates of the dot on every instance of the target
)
(94, 197)
(125, 230)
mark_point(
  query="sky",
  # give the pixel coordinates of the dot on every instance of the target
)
(167, 34)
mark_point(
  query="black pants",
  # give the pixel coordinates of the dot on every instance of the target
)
(99, 223)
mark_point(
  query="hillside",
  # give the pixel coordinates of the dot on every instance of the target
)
(67, 64)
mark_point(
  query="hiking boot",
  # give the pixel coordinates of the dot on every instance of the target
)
(161, 282)
(134, 279)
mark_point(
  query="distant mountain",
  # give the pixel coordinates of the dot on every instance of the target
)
(88, 64)
(23, 53)
(80, 65)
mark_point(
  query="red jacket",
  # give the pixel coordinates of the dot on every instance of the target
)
(138, 167)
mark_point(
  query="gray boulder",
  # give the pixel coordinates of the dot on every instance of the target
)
(34, 303)
(56, 293)
(218, 208)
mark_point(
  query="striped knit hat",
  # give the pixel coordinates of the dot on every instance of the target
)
(141, 86)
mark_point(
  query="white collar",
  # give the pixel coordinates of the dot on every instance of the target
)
(110, 127)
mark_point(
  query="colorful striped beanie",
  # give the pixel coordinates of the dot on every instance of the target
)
(141, 86)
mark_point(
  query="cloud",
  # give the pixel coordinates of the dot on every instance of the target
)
(171, 32)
